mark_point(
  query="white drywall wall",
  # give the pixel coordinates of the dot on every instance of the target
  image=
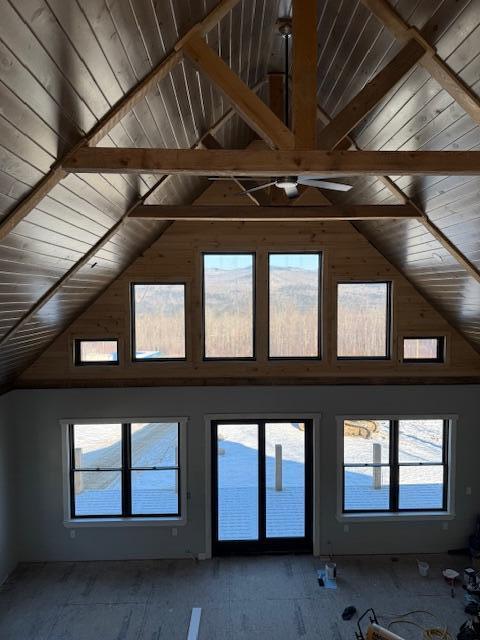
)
(38, 491)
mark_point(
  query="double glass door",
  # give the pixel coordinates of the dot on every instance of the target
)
(262, 486)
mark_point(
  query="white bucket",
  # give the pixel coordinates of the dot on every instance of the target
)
(330, 571)
(423, 568)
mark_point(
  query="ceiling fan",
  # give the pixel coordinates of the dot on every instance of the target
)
(290, 184)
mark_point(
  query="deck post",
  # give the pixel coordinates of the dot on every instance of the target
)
(278, 467)
(176, 470)
(377, 471)
(78, 465)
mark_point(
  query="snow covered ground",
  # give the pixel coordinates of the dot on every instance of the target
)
(238, 482)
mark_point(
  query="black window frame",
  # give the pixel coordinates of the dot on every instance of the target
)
(77, 353)
(126, 476)
(389, 321)
(253, 357)
(133, 322)
(439, 358)
(394, 465)
(319, 305)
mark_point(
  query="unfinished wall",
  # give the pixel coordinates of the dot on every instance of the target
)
(177, 257)
(42, 535)
(7, 514)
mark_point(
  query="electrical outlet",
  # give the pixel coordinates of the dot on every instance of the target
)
(445, 526)
(346, 528)
(468, 491)
(73, 533)
(174, 531)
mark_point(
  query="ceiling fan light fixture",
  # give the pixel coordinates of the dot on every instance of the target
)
(289, 182)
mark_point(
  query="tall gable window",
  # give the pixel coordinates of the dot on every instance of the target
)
(294, 300)
(158, 321)
(228, 305)
(363, 320)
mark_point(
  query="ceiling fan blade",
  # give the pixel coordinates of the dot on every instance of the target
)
(324, 184)
(320, 177)
(235, 178)
(262, 186)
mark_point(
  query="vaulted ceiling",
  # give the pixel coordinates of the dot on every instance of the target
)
(65, 63)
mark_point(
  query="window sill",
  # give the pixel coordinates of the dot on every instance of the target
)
(406, 516)
(123, 522)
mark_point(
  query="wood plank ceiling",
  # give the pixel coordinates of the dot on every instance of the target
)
(65, 63)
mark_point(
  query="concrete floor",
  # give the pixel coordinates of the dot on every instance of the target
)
(275, 597)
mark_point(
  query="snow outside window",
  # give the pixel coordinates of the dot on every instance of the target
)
(125, 469)
(395, 465)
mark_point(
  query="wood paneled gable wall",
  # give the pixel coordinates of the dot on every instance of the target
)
(139, 80)
(176, 257)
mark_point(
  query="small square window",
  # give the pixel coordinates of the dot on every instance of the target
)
(423, 349)
(96, 351)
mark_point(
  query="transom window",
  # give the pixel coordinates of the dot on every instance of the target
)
(294, 301)
(125, 469)
(228, 305)
(363, 320)
(395, 465)
(158, 321)
(95, 351)
(423, 349)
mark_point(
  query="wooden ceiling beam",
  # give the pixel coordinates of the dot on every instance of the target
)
(398, 193)
(42, 189)
(371, 94)
(438, 68)
(233, 213)
(248, 105)
(113, 117)
(432, 228)
(259, 163)
(74, 269)
(304, 73)
(276, 94)
(258, 198)
(84, 260)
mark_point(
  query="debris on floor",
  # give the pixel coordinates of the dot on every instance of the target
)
(469, 630)
(348, 613)
(325, 581)
(327, 577)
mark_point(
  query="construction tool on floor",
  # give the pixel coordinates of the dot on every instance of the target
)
(471, 582)
(374, 631)
(451, 576)
(377, 632)
(469, 631)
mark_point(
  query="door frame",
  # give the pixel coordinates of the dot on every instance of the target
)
(315, 419)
